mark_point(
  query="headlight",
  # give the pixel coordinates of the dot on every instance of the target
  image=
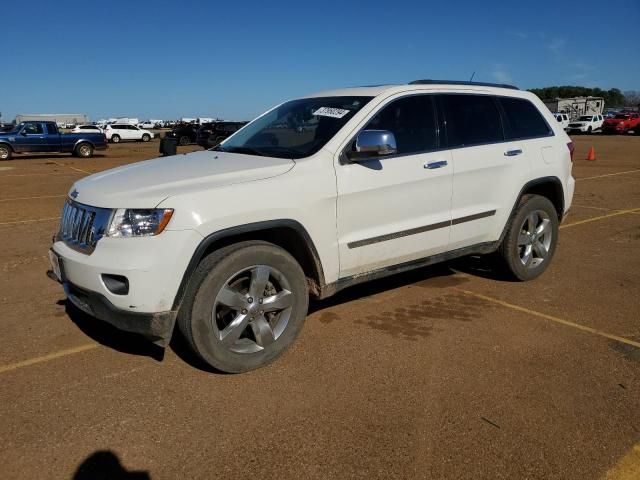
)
(128, 222)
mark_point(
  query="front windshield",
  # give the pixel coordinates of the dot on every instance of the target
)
(585, 118)
(295, 129)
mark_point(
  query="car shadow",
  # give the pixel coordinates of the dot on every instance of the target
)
(441, 275)
(483, 266)
(105, 465)
(109, 336)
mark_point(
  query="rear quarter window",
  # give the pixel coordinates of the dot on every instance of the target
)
(522, 119)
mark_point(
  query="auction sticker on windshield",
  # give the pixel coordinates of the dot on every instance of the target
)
(331, 112)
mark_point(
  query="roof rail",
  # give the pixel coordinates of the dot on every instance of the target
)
(461, 82)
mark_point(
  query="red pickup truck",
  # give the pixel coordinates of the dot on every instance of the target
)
(622, 123)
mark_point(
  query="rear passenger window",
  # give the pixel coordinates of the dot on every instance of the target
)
(412, 121)
(523, 120)
(471, 120)
(52, 129)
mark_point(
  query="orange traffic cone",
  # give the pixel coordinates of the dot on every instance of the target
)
(592, 154)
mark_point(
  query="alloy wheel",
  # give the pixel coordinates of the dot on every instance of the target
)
(534, 240)
(252, 309)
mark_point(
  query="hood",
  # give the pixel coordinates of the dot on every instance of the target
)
(146, 184)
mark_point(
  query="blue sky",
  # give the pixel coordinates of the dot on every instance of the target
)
(234, 59)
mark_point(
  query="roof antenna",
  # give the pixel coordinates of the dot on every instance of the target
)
(472, 75)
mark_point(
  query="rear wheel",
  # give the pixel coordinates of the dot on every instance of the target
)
(115, 138)
(184, 140)
(244, 306)
(84, 150)
(5, 152)
(531, 238)
(146, 137)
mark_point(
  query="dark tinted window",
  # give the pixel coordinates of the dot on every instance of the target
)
(471, 119)
(412, 121)
(523, 120)
(52, 129)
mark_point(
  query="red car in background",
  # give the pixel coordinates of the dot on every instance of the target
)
(622, 123)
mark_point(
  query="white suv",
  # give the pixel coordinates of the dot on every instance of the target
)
(118, 132)
(586, 124)
(315, 195)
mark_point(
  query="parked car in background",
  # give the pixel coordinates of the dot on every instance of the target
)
(147, 124)
(219, 132)
(87, 128)
(586, 124)
(185, 133)
(621, 123)
(118, 132)
(36, 137)
(230, 244)
(562, 119)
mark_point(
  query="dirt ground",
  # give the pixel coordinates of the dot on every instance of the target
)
(446, 372)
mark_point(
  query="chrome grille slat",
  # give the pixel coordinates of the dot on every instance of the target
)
(82, 226)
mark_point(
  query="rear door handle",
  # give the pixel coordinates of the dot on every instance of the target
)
(432, 165)
(513, 152)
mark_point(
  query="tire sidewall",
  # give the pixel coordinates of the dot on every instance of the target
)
(184, 142)
(79, 147)
(8, 149)
(146, 138)
(208, 346)
(115, 139)
(511, 251)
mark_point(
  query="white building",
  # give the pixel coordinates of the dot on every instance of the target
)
(59, 118)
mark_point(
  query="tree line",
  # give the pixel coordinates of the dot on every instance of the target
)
(612, 97)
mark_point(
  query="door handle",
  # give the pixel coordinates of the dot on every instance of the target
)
(438, 164)
(513, 152)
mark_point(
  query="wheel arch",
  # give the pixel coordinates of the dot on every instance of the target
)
(8, 145)
(549, 187)
(285, 233)
(83, 140)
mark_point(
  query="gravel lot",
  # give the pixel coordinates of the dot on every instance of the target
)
(445, 372)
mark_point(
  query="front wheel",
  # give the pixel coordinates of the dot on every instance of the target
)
(5, 152)
(146, 137)
(184, 140)
(531, 238)
(245, 304)
(589, 131)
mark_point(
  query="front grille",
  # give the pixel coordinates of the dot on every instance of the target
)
(81, 226)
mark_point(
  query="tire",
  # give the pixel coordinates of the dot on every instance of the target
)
(226, 288)
(523, 253)
(184, 140)
(5, 152)
(589, 131)
(83, 150)
(146, 137)
(115, 138)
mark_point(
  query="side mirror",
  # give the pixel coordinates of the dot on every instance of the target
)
(373, 143)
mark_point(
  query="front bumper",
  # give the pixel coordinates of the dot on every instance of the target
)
(157, 327)
(153, 267)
